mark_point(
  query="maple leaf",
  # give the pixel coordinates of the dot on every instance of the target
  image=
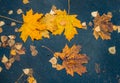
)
(49, 20)
(72, 61)
(67, 23)
(103, 27)
(33, 27)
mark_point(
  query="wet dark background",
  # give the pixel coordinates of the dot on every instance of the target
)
(97, 50)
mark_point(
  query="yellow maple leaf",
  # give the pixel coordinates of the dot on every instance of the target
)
(33, 27)
(66, 23)
(49, 20)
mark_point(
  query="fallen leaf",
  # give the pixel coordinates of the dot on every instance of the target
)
(25, 1)
(4, 38)
(32, 27)
(103, 26)
(67, 23)
(19, 11)
(1, 69)
(33, 50)
(11, 42)
(72, 61)
(4, 59)
(13, 52)
(1, 30)
(2, 23)
(31, 79)
(112, 50)
(18, 46)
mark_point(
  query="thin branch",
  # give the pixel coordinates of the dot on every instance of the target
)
(47, 48)
(68, 6)
(20, 77)
(10, 19)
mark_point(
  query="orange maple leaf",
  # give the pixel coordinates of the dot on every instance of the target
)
(72, 61)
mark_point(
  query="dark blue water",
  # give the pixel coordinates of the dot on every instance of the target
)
(97, 50)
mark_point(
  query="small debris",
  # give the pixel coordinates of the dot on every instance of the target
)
(13, 24)
(2, 23)
(10, 12)
(90, 23)
(4, 38)
(18, 46)
(94, 14)
(84, 25)
(0, 44)
(1, 30)
(4, 59)
(52, 11)
(118, 27)
(97, 68)
(34, 53)
(0, 69)
(13, 52)
(19, 11)
(16, 29)
(11, 42)
(112, 50)
(33, 50)
(25, 1)
(53, 60)
(8, 65)
(28, 71)
(12, 36)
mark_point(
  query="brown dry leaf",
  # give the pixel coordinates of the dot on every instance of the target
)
(112, 50)
(103, 27)
(33, 50)
(72, 61)
(4, 59)
(1, 30)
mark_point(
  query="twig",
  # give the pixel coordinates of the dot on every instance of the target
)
(10, 19)
(47, 48)
(68, 6)
(19, 77)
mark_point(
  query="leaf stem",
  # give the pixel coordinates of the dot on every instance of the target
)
(10, 19)
(47, 48)
(68, 6)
